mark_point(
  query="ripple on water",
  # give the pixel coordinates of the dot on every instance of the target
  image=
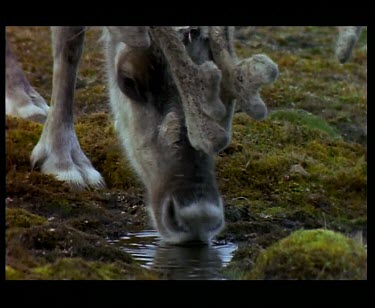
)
(177, 262)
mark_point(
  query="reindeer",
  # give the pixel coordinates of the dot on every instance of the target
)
(172, 93)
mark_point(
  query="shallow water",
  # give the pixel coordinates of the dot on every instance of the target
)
(177, 262)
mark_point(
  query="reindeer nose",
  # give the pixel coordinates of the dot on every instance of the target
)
(194, 221)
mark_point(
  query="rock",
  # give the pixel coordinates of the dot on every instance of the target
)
(298, 169)
(312, 254)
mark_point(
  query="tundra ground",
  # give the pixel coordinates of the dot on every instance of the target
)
(304, 167)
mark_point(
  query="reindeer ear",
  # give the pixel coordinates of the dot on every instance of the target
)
(131, 87)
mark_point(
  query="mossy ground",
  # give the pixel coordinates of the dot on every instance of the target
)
(304, 167)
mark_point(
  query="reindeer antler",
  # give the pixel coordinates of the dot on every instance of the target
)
(202, 93)
(242, 80)
(199, 89)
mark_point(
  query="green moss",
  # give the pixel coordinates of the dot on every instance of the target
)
(21, 218)
(98, 140)
(12, 274)
(49, 197)
(312, 254)
(58, 239)
(79, 269)
(18, 257)
(21, 137)
(306, 119)
(258, 175)
(311, 78)
(274, 211)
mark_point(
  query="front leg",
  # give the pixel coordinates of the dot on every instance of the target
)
(58, 151)
(21, 99)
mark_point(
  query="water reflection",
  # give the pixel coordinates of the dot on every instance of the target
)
(177, 262)
(187, 262)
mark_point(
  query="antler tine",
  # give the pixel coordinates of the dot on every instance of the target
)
(348, 36)
(199, 89)
(242, 80)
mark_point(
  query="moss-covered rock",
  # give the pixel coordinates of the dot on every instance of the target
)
(312, 254)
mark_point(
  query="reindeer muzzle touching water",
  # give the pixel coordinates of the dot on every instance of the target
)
(189, 210)
(194, 222)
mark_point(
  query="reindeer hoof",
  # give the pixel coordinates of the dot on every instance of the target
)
(26, 105)
(348, 37)
(68, 164)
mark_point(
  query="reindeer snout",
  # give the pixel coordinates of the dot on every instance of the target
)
(197, 221)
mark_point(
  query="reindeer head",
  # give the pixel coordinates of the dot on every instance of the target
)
(173, 100)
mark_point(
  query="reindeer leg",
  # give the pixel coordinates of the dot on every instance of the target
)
(58, 150)
(348, 37)
(21, 98)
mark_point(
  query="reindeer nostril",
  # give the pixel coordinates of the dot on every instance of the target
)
(171, 211)
(172, 217)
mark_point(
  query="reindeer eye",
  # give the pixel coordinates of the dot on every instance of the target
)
(131, 88)
(128, 82)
